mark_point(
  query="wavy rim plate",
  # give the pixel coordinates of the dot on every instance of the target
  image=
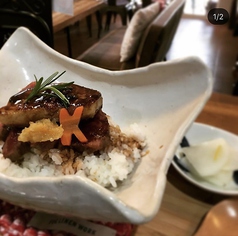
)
(196, 134)
(163, 99)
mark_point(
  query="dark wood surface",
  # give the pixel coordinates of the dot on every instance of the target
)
(82, 9)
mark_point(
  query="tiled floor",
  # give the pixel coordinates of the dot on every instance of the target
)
(215, 45)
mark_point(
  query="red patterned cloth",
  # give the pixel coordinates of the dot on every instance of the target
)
(14, 222)
(121, 228)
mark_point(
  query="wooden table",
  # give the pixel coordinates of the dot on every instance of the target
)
(82, 9)
(184, 205)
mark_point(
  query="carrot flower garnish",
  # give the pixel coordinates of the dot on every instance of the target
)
(70, 126)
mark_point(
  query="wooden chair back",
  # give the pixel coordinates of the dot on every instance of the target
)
(158, 36)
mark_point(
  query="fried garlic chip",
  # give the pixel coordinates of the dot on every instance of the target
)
(41, 131)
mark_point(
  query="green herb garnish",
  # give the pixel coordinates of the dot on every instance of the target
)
(47, 85)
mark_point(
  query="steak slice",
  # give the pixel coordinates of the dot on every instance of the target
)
(96, 131)
(19, 113)
(12, 148)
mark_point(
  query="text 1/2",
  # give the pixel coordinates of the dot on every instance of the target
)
(218, 16)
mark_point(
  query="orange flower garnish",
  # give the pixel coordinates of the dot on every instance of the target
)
(70, 126)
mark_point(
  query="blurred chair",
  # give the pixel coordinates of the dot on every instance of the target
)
(154, 42)
(34, 15)
(146, 3)
(115, 7)
(99, 23)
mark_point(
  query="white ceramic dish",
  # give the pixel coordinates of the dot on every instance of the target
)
(164, 99)
(199, 133)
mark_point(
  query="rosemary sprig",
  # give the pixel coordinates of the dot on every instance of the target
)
(42, 85)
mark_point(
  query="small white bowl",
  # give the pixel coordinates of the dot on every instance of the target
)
(199, 133)
(163, 99)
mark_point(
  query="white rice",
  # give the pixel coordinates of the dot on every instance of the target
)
(111, 166)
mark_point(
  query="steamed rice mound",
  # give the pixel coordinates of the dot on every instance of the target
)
(107, 168)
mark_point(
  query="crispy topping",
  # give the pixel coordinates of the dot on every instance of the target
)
(41, 131)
